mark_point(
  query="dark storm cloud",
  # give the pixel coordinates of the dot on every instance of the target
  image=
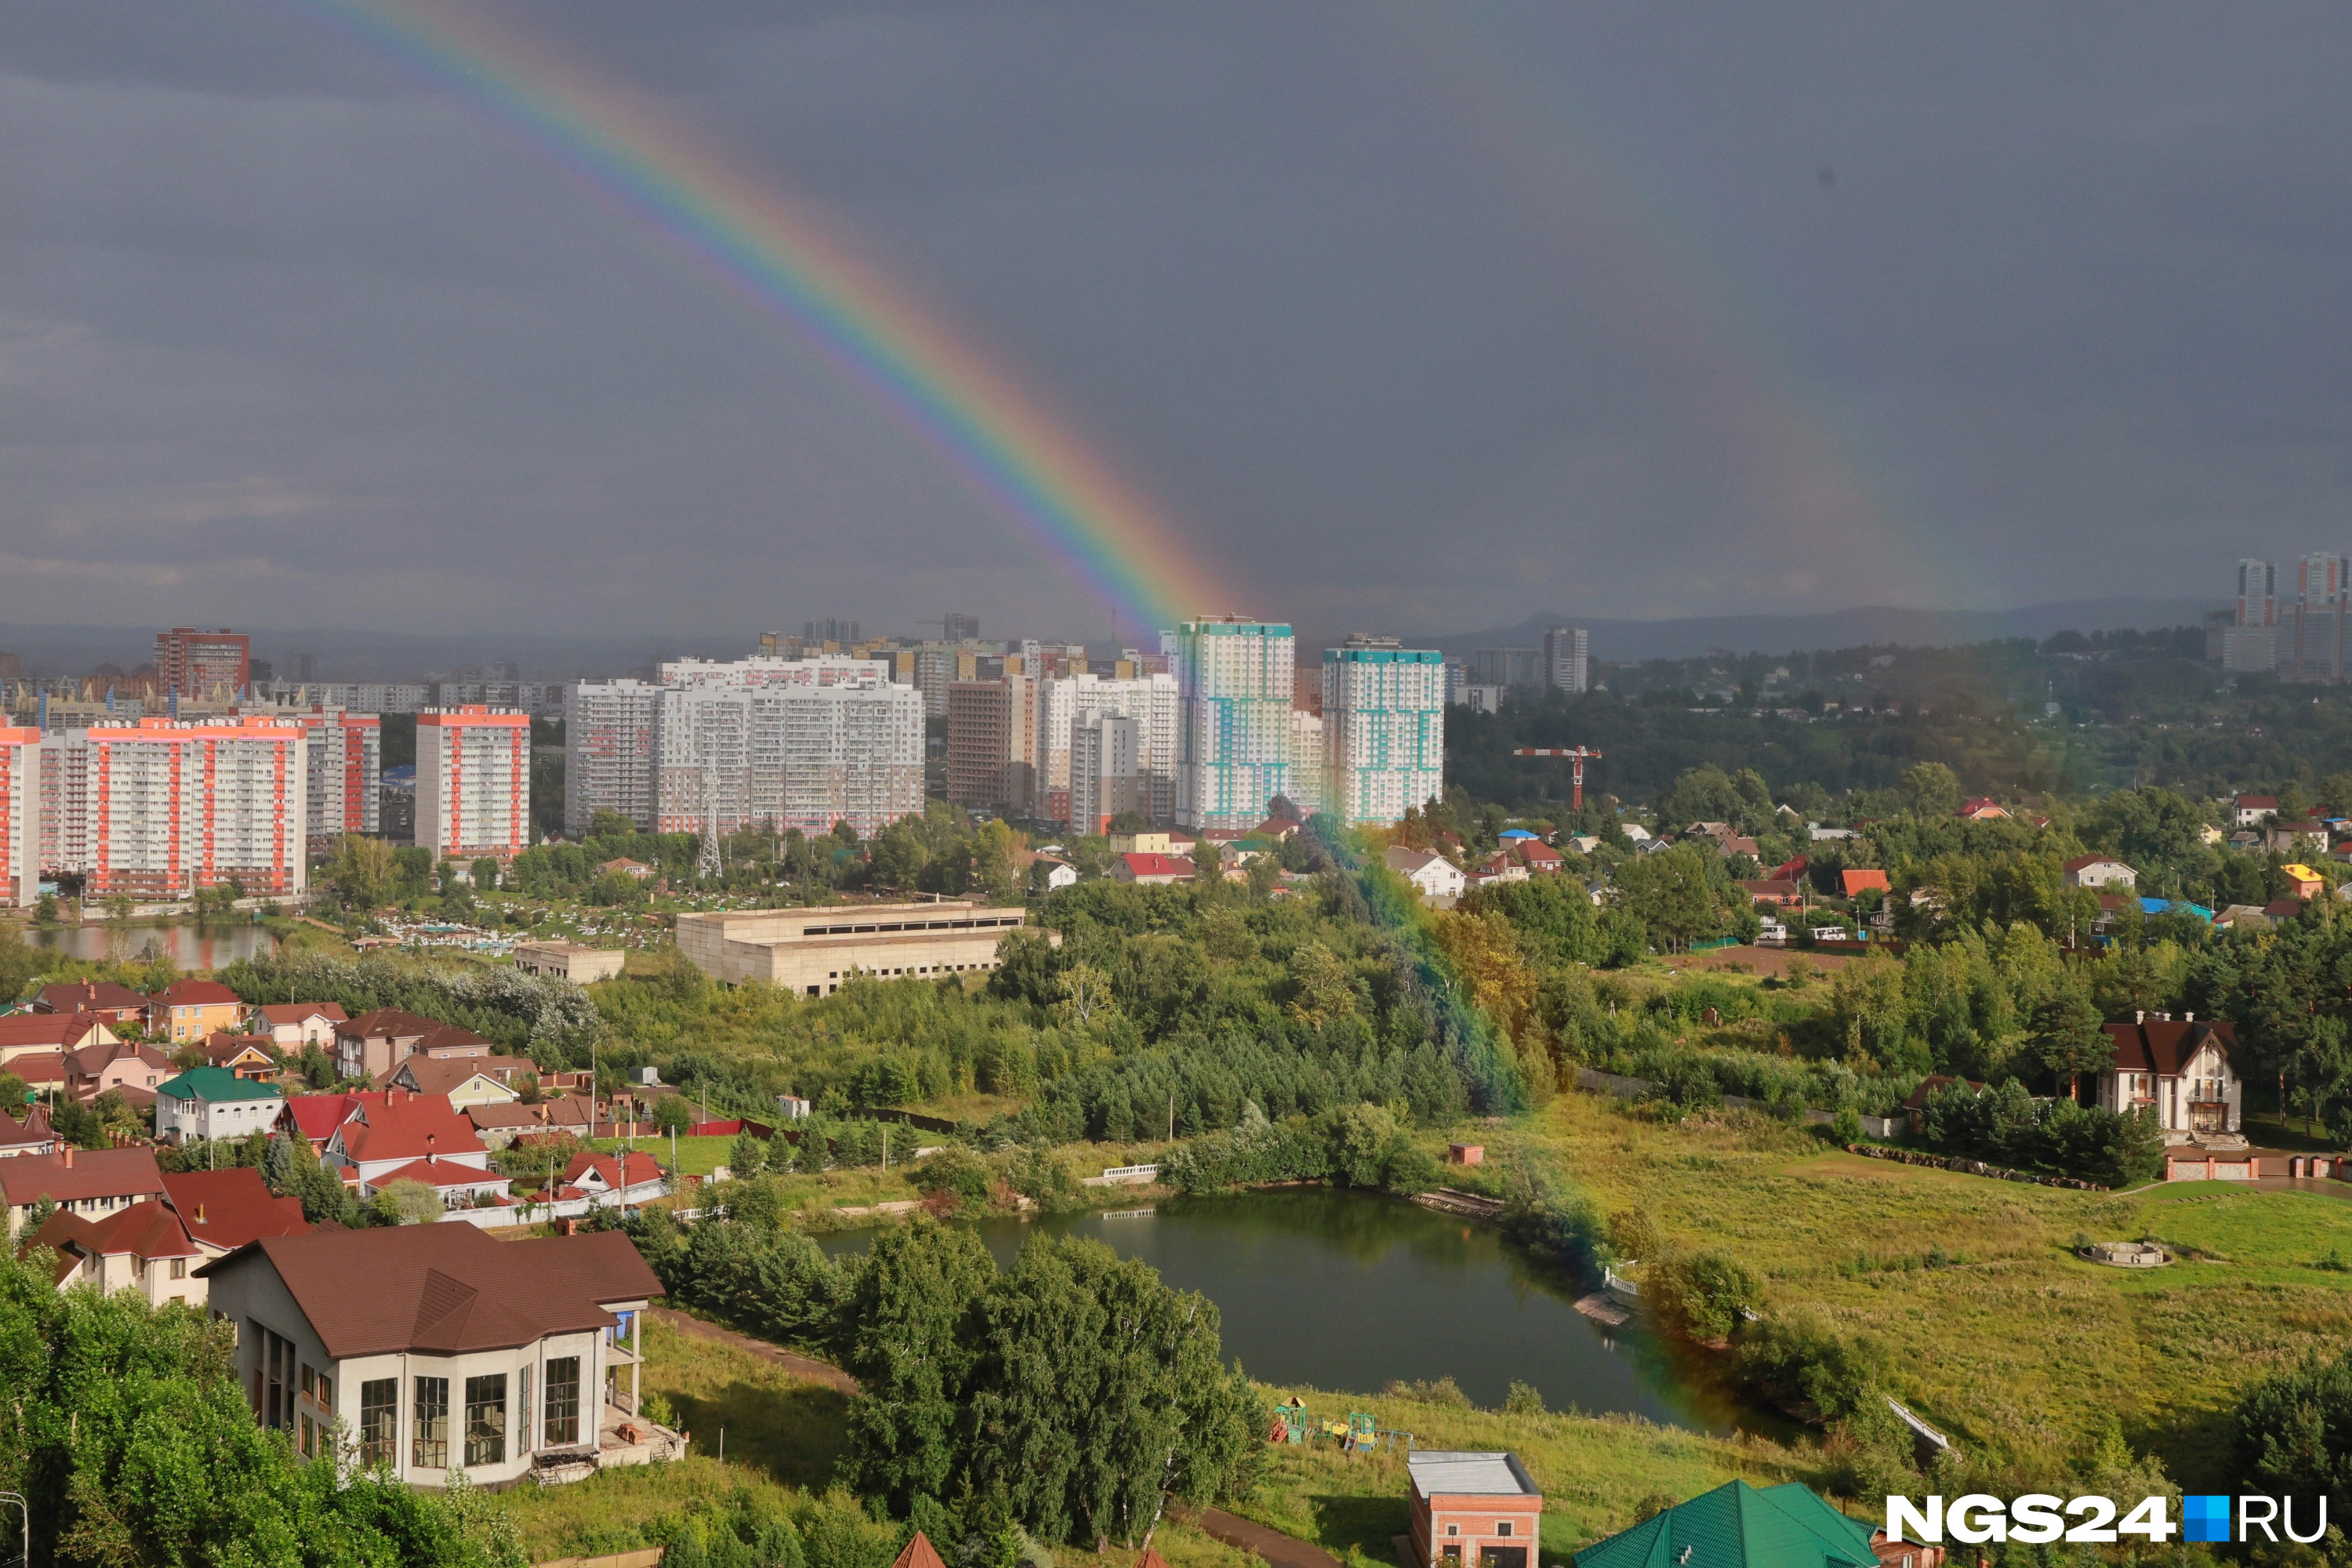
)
(1419, 318)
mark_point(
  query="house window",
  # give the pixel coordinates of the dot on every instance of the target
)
(379, 1408)
(1502, 1527)
(306, 1430)
(326, 1392)
(431, 1424)
(179, 1268)
(486, 1419)
(1453, 1530)
(310, 1381)
(522, 1414)
(563, 1401)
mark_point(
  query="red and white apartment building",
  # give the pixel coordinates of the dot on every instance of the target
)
(473, 782)
(20, 815)
(160, 807)
(346, 768)
(194, 663)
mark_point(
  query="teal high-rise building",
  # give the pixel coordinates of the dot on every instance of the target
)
(1234, 729)
(1383, 730)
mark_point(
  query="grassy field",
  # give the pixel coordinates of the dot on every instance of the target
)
(1995, 1332)
(1592, 1471)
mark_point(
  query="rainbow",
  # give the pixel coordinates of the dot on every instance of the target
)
(790, 264)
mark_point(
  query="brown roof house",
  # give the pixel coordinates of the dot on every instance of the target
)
(439, 1349)
(500, 1125)
(142, 1248)
(137, 1070)
(464, 1081)
(115, 1002)
(34, 1135)
(374, 1042)
(246, 1055)
(86, 1182)
(36, 1034)
(2182, 1068)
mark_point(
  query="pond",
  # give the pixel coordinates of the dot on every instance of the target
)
(1345, 1290)
(190, 947)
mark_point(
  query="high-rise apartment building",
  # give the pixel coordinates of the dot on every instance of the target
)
(959, 628)
(2252, 645)
(1517, 668)
(2313, 647)
(1233, 739)
(343, 775)
(1383, 730)
(473, 782)
(779, 755)
(608, 752)
(840, 633)
(1105, 778)
(1309, 787)
(20, 815)
(1151, 700)
(160, 808)
(993, 743)
(1564, 651)
(195, 663)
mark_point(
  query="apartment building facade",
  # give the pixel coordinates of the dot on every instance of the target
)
(193, 663)
(20, 815)
(608, 752)
(1234, 733)
(993, 743)
(343, 775)
(1383, 731)
(1152, 701)
(473, 782)
(1106, 779)
(160, 807)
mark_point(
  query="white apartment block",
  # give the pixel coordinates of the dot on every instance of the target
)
(1383, 732)
(344, 770)
(1105, 778)
(160, 808)
(1234, 735)
(763, 669)
(1567, 661)
(473, 782)
(1307, 790)
(1151, 700)
(354, 696)
(20, 815)
(608, 752)
(782, 755)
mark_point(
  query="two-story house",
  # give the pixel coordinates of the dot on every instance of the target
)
(42, 1033)
(137, 1070)
(142, 1248)
(34, 1135)
(464, 1081)
(439, 1349)
(374, 1042)
(611, 1181)
(248, 1056)
(116, 1004)
(2180, 1067)
(415, 1138)
(295, 1027)
(2101, 871)
(190, 1009)
(86, 1182)
(1438, 880)
(1473, 1509)
(213, 1102)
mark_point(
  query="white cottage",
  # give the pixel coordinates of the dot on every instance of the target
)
(440, 1348)
(2181, 1068)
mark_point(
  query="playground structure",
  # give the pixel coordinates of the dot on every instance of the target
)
(1357, 1434)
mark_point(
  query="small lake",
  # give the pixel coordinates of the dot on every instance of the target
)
(1348, 1290)
(189, 947)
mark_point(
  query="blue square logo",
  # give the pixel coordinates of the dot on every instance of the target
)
(2204, 1517)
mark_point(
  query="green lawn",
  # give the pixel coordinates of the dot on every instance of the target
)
(2016, 1347)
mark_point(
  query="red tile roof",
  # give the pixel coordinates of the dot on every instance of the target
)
(447, 1287)
(90, 996)
(91, 1060)
(318, 1115)
(39, 1069)
(408, 1127)
(298, 1012)
(616, 1170)
(33, 1129)
(64, 1031)
(2164, 1047)
(1854, 882)
(435, 1173)
(92, 1173)
(194, 993)
(1149, 865)
(225, 1209)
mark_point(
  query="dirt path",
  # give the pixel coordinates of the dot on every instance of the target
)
(1269, 1545)
(798, 1366)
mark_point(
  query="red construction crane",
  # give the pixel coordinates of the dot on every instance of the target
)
(1576, 755)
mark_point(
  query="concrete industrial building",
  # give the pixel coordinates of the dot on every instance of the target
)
(1383, 730)
(810, 951)
(160, 807)
(473, 782)
(1233, 732)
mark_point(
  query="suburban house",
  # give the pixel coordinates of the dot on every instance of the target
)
(1977, 808)
(412, 1137)
(1779, 893)
(1470, 1509)
(609, 1181)
(2099, 871)
(2302, 881)
(2294, 837)
(35, 1034)
(214, 1102)
(2180, 1067)
(374, 1042)
(43, 1073)
(1151, 870)
(223, 1210)
(315, 1117)
(627, 867)
(142, 1248)
(464, 1081)
(297, 1025)
(440, 1348)
(1741, 1526)
(500, 1125)
(1060, 873)
(114, 1002)
(1851, 883)
(1927, 1086)
(34, 1135)
(85, 1182)
(569, 960)
(190, 1009)
(135, 1070)
(1538, 855)
(1438, 880)
(2250, 809)
(244, 1055)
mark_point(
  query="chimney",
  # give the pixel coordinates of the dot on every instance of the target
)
(2188, 1017)
(2140, 1017)
(431, 1154)
(68, 1156)
(200, 1213)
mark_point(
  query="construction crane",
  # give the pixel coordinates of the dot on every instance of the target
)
(1576, 756)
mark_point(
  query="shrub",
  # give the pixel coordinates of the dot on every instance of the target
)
(1699, 1293)
(1798, 1362)
(957, 1172)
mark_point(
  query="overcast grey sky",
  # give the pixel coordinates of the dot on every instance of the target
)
(1418, 316)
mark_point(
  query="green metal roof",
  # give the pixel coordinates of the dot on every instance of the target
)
(1737, 1526)
(215, 1085)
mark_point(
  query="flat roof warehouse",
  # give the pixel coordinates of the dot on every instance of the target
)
(813, 952)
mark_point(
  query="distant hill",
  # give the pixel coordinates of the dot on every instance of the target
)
(1622, 641)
